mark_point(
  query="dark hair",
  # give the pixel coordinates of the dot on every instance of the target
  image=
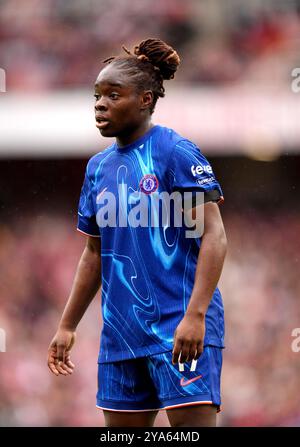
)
(151, 63)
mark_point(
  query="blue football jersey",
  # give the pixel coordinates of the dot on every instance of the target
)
(147, 270)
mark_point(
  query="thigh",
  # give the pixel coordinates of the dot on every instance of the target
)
(193, 416)
(131, 419)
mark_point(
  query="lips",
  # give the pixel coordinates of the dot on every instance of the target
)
(101, 121)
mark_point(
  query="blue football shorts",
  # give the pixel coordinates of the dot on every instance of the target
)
(154, 383)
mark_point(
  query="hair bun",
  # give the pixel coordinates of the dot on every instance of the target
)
(159, 54)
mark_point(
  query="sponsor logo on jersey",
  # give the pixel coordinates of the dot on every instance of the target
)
(199, 170)
(148, 183)
(204, 181)
(187, 382)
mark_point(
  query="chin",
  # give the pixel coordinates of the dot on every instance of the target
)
(109, 133)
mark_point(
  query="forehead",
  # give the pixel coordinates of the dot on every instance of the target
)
(113, 76)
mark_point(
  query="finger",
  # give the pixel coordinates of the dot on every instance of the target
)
(193, 352)
(176, 351)
(55, 365)
(199, 350)
(185, 350)
(52, 351)
(66, 368)
(52, 368)
(60, 368)
(70, 364)
(61, 352)
(51, 361)
(68, 360)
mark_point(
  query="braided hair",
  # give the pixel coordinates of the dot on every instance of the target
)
(152, 62)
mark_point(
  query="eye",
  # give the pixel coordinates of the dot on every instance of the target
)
(97, 96)
(114, 95)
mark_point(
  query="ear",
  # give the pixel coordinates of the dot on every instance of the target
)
(146, 99)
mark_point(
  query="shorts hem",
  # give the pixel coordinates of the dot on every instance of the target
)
(191, 404)
(204, 399)
(187, 404)
(109, 408)
(189, 400)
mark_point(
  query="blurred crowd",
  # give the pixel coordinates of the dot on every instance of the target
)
(53, 44)
(59, 44)
(260, 285)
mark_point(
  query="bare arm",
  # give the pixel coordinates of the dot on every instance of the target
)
(189, 335)
(85, 286)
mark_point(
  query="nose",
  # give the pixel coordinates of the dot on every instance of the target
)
(100, 105)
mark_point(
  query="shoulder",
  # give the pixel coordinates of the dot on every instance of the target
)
(187, 148)
(96, 159)
(175, 145)
(169, 136)
(176, 140)
(180, 147)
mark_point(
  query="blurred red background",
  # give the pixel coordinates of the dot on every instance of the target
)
(52, 52)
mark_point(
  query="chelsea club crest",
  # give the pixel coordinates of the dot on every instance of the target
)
(148, 183)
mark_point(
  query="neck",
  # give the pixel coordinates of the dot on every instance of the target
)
(130, 137)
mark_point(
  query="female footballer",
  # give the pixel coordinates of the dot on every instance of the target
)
(163, 320)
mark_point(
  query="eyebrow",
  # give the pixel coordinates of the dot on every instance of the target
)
(114, 84)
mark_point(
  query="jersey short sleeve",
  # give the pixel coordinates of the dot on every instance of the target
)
(192, 172)
(86, 215)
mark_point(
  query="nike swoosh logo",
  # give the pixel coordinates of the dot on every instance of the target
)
(187, 382)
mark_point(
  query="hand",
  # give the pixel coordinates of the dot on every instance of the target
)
(189, 338)
(59, 361)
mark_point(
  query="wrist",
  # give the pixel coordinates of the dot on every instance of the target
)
(65, 326)
(196, 313)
